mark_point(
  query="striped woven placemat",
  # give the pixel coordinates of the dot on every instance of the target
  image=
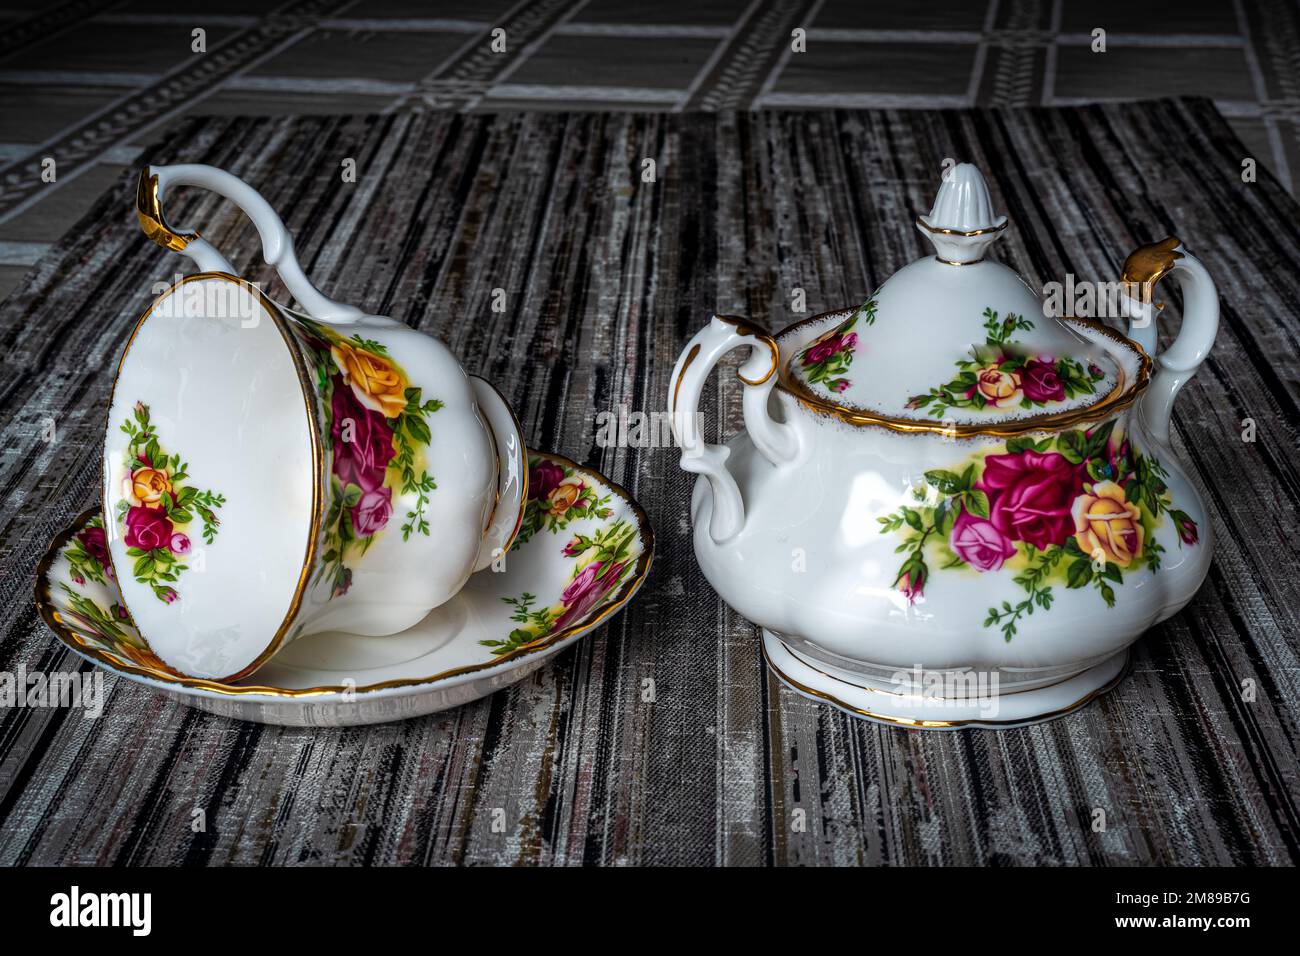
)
(605, 276)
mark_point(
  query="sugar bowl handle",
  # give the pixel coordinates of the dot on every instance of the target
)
(774, 440)
(277, 243)
(1144, 267)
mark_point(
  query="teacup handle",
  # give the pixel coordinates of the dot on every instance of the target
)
(277, 243)
(1144, 267)
(775, 440)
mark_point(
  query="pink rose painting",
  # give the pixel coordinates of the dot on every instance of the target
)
(1074, 509)
(586, 590)
(1002, 374)
(1030, 495)
(378, 433)
(371, 513)
(826, 362)
(1040, 381)
(977, 542)
(154, 509)
(361, 439)
(819, 353)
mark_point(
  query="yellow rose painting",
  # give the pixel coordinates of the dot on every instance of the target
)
(376, 428)
(1001, 374)
(1108, 526)
(1077, 509)
(375, 381)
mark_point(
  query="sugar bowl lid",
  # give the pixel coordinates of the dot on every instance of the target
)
(955, 340)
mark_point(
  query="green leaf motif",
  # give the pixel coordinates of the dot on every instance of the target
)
(180, 504)
(1130, 487)
(410, 434)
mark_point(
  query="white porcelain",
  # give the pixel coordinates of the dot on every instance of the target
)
(925, 489)
(896, 702)
(578, 565)
(270, 474)
(507, 513)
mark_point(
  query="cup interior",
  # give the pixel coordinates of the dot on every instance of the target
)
(211, 477)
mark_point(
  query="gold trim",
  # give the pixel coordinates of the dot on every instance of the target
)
(957, 232)
(45, 605)
(310, 400)
(148, 210)
(915, 724)
(804, 659)
(1120, 397)
(746, 328)
(1147, 265)
(690, 357)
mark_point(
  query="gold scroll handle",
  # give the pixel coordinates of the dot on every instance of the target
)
(1147, 265)
(744, 327)
(148, 209)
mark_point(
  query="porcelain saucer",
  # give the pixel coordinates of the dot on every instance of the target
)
(583, 549)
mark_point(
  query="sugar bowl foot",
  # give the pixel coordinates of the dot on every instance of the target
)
(940, 700)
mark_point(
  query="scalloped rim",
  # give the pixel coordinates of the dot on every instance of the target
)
(112, 662)
(1121, 396)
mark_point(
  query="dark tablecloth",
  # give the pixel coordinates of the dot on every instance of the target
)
(1193, 759)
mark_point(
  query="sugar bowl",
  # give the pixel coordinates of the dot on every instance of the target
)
(948, 508)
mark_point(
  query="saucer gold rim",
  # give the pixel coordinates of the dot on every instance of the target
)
(67, 636)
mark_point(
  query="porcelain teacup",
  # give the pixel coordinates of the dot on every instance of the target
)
(270, 474)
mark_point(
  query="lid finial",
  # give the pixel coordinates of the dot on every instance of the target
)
(961, 224)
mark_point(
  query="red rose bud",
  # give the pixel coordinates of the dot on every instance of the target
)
(912, 583)
(1187, 530)
(344, 584)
